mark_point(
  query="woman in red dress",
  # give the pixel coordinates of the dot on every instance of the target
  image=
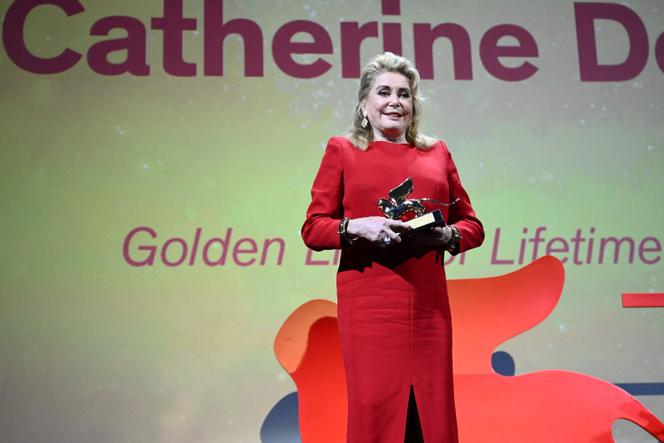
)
(393, 310)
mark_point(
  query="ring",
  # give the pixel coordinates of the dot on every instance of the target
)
(386, 240)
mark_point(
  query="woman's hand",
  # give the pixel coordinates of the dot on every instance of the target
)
(377, 229)
(437, 237)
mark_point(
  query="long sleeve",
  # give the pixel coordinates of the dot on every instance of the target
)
(462, 215)
(321, 226)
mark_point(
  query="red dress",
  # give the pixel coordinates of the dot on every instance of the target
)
(393, 311)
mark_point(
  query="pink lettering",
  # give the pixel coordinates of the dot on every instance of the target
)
(183, 252)
(491, 52)
(134, 44)
(223, 244)
(494, 251)
(589, 66)
(352, 36)
(425, 36)
(644, 248)
(552, 249)
(149, 260)
(283, 49)
(266, 247)
(237, 250)
(309, 260)
(216, 32)
(174, 24)
(13, 31)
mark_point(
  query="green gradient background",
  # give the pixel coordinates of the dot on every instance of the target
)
(96, 350)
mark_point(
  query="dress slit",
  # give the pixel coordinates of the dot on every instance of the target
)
(413, 428)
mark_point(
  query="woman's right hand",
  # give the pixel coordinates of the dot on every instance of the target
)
(376, 229)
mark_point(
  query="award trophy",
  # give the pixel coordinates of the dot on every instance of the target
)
(398, 205)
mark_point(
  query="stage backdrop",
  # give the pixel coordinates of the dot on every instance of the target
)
(156, 163)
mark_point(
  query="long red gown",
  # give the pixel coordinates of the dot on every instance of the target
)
(393, 310)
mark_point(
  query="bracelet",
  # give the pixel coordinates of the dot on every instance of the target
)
(344, 236)
(453, 245)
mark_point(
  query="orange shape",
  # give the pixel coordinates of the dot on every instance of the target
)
(543, 406)
(307, 346)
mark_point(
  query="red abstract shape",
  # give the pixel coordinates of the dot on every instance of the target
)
(307, 346)
(543, 406)
(643, 300)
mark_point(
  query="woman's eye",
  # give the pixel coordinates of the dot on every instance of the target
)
(404, 94)
(384, 92)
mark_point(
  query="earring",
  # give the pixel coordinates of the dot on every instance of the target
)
(365, 122)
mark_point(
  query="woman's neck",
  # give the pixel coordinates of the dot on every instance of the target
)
(392, 138)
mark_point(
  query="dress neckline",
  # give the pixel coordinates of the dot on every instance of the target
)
(406, 144)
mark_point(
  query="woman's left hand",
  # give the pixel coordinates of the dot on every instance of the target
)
(437, 237)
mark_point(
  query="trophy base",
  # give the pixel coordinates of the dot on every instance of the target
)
(426, 221)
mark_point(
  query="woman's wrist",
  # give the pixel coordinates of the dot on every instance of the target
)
(452, 245)
(345, 237)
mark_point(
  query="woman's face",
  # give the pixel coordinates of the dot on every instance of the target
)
(389, 107)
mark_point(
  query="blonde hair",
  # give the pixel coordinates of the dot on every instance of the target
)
(388, 62)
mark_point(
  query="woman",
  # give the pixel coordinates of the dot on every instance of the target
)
(393, 311)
